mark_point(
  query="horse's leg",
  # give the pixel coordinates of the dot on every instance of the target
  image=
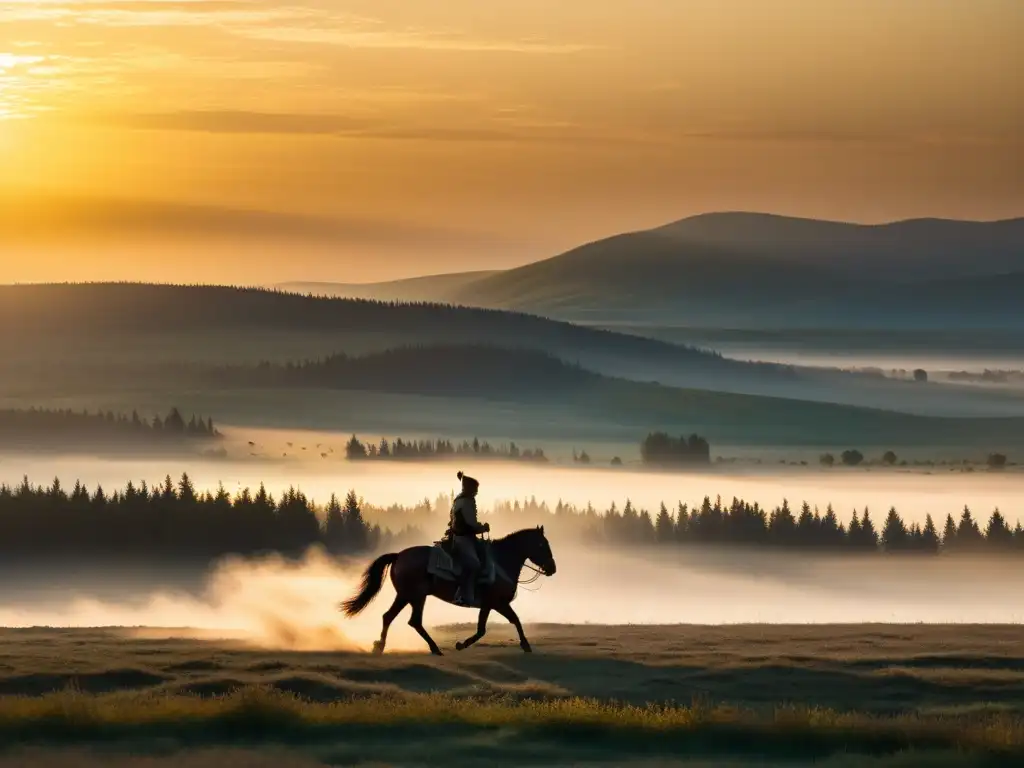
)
(389, 616)
(508, 613)
(416, 622)
(481, 629)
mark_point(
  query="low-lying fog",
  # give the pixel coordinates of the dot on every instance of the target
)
(885, 360)
(915, 492)
(294, 607)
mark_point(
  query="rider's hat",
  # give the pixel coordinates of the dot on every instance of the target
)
(469, 484)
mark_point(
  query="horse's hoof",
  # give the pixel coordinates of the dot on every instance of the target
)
(438, 653)
(526, 648)
(459, 645)
(378, 648)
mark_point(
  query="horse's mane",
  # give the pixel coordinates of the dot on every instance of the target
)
(516, 535)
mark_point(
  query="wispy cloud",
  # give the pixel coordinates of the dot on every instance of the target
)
(294, 22)
(43, 217)
(162, 52)
(499, 127)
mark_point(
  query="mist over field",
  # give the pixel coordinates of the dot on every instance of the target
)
(293, 606)
(914, 491)
(279, 604)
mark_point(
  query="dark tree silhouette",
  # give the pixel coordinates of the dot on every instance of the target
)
(660, 449)
(852, 457)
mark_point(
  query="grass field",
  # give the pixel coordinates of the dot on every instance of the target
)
(857, 695)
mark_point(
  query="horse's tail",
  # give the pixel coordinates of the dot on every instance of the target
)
(373, 580)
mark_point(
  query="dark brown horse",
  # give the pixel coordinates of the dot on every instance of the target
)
(413, 585)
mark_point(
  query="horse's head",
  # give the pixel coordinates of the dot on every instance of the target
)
(539, 551)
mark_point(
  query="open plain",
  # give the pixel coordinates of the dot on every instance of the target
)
(589, 695)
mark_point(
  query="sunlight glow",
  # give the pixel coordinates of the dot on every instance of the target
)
(10, 82)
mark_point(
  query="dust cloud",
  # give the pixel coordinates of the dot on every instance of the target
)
(268, 602)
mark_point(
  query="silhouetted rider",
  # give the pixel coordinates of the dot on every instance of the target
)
(464, 528)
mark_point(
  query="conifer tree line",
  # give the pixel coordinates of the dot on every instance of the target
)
(69, 423)
(173, 521)
(357, 450)
(739, 523)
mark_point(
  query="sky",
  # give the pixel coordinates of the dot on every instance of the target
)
(253, 141)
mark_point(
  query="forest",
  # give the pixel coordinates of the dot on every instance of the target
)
(660, 449)
(472, 370)
(40, 425)
(417, 450)
(174, 522)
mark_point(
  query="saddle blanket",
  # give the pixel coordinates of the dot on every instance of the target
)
(444, 566)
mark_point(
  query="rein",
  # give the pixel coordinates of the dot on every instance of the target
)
(537, 573)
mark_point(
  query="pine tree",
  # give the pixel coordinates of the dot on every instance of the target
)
(682, 523)
(356, 530)
(334, 527)
(354, 449)
(998, 534)
(831, 530)
(929, 536)
(968, 535)
(806, 530)
(853, 531)
(867, 531)
(949, 537)
(894, 533)
(645, 528)
(186, 491)
(782, 526)
(664, 530)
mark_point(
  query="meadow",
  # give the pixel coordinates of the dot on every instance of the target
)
(653, 695)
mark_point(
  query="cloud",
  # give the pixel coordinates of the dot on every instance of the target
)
(355, 37)
(295, 22)
(43, 216)
(507, 129)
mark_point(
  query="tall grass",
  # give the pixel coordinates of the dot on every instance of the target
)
(266, 714)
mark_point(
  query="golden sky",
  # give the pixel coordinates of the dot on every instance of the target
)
(258, 140)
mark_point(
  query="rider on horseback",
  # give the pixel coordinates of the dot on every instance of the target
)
(463, 528)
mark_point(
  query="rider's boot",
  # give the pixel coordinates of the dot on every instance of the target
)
(465, 594)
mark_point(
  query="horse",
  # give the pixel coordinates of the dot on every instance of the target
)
(414, 584)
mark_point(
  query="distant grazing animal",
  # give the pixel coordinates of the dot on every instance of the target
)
(421, 572)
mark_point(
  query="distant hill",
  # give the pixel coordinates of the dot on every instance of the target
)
(749, 269)
(43, 321)
(756, 270)
(66, 339)
(911, 250)
(516, 375)
(428, 288)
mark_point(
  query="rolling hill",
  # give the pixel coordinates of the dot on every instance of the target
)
(540, 383)
(69, 339)
(746, 270)
(429, 288)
